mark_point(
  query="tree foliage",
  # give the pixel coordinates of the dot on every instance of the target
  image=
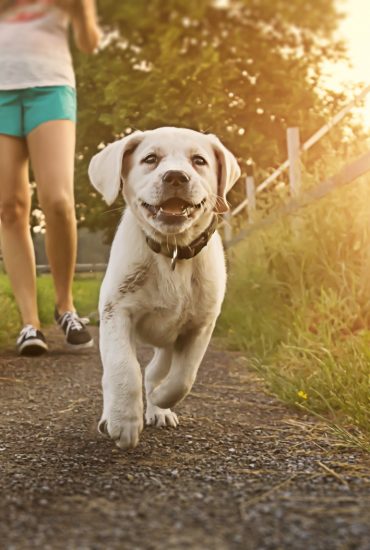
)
(243, 69)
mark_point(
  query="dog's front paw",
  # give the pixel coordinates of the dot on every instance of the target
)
(124, 429)
(155, 416)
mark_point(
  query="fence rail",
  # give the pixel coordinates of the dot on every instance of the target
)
(80, 268)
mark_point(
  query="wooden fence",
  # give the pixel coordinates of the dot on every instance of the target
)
(346, 175)
(293, 164)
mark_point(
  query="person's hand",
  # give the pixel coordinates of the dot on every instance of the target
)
(84, 21)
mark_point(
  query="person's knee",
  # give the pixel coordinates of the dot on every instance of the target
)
(14, 213)
(59, 209)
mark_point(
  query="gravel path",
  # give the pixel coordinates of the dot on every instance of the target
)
(242, 471)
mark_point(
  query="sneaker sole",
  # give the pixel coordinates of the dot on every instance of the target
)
(77, 347)
(33, 349)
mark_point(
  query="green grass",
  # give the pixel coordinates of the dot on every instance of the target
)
(298, 304)
(85, 291)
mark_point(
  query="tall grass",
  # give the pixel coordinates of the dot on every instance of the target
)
(298, 303)
(85, 291)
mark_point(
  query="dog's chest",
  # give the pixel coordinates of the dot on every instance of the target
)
(171, 305)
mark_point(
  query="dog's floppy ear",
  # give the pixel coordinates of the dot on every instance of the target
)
(228, 173)
(106, 166)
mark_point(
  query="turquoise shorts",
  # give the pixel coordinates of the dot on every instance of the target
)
(21, 111)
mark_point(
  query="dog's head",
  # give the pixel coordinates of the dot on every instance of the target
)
(170, 176)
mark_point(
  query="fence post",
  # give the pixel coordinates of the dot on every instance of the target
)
(294, 145)
(250, 189)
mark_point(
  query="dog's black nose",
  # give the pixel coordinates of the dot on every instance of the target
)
(175, 177)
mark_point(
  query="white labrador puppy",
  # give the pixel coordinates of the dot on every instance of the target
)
(166, 276)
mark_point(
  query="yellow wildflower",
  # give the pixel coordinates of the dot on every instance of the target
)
(302, 394)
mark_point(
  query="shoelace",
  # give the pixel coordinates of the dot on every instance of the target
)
(73, 321)
(28, 331)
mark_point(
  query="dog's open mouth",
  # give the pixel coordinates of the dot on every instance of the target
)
(175, 210)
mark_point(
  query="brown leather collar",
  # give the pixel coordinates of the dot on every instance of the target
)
(183, 252)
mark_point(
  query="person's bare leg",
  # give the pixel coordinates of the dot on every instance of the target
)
(17, 246)
(52, 146)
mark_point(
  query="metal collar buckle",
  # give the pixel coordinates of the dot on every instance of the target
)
(174, 258)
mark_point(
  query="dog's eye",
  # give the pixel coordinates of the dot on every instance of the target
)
(150, 159)
(199, 160)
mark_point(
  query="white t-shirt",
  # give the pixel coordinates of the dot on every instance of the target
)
(34, 45)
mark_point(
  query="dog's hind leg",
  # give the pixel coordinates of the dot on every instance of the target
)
(155, 372)
(188, 353)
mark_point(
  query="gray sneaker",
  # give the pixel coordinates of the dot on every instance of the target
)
(74, 328)
(31, 342)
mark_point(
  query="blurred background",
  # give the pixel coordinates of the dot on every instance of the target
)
(244, 70)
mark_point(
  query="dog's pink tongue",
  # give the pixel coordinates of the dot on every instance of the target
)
(174, 206)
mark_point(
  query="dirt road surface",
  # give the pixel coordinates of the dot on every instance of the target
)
(242, 471)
